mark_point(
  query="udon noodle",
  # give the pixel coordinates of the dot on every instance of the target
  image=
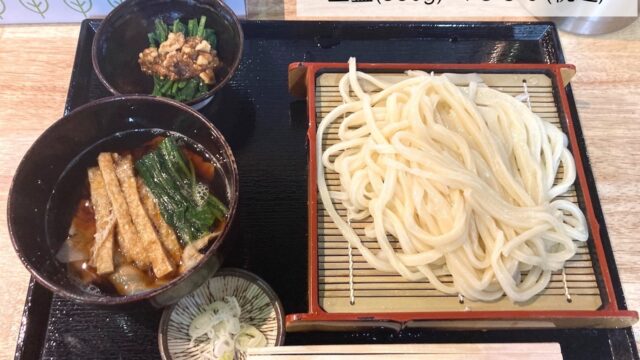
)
(463, 177)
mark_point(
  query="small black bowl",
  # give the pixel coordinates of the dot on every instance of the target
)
(44, 191)
(122, 35)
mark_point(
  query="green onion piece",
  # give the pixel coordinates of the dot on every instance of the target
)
(156, 86)
(162, 31)
(189, 90)
(165, 30)
(152, 40)
(192, 26)
(200, 33)
(178, 27)
(166, 87)
(157, 28)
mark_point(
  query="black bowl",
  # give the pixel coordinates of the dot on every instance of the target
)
(44, 191)
(122, 35)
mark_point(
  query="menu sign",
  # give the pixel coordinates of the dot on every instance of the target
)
(335, 9)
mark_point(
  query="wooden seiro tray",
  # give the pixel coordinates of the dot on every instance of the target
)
(582, 296)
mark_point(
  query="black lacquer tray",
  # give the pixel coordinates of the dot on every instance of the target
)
(266, 129)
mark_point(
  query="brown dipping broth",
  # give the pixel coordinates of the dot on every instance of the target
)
(84, 223)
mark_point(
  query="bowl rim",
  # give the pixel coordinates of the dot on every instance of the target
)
(122, 7)
(123, 299)
(163, 344)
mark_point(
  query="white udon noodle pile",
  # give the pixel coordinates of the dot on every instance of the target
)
(462, 177)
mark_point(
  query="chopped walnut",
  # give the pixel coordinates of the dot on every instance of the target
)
(204, 46)
(174, 42)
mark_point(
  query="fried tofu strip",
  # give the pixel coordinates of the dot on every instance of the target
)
(155, 253)
(102, 252)
(128, 235)
(165, 232)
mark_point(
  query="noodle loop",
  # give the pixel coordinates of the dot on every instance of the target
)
(462, 177)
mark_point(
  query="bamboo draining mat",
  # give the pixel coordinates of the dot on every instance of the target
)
(376, 291)
(524, 351)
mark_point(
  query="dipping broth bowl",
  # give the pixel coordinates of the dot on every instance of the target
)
(44, 191)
